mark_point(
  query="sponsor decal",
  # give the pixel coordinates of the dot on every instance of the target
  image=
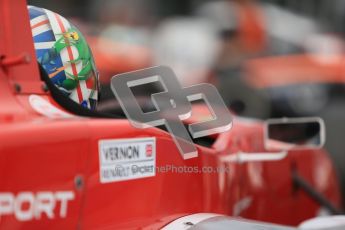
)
(26, 206)
(148, 150)
(127, 159)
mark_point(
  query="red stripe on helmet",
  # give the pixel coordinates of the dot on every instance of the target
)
(70, 55)
(39, 24)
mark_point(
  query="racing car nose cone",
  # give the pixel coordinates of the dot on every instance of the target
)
(325, 222)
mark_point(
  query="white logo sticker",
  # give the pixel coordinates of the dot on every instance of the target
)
(45, 108)
(26, 206)
(127, 159)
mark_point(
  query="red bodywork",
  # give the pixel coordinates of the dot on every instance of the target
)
(42, 154)
(262, 73)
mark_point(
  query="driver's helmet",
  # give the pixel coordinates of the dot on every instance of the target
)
(65, 55)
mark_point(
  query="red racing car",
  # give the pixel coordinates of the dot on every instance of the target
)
(63, 165)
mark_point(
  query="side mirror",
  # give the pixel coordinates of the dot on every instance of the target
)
(294, 133)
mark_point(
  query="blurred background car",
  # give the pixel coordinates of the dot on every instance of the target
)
(268, 58)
